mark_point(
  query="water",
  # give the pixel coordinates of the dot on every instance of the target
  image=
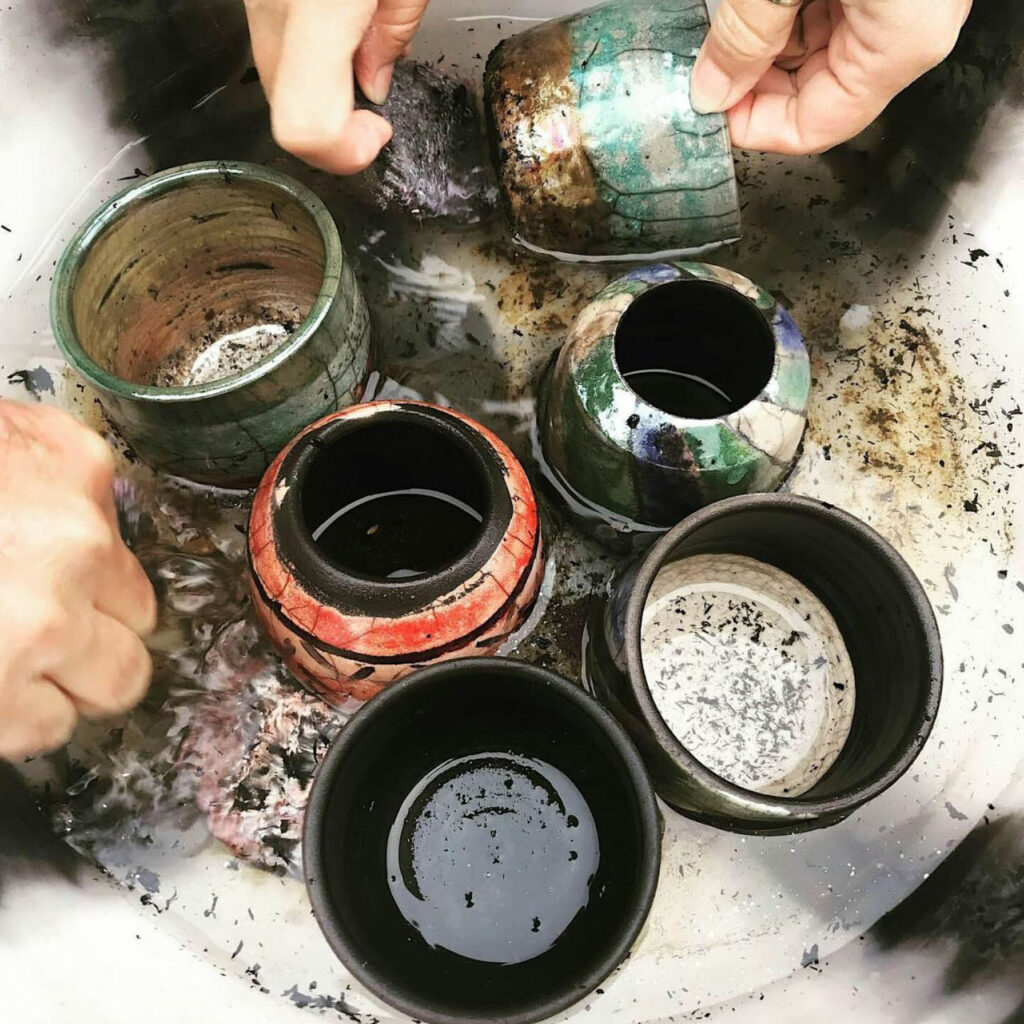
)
(749, 670)
(491, 856)
(399, 534)
(681, 394)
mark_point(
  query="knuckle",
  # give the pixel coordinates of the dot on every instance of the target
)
(936, 47)
(307, 134)
(49, 627)
(97, 456)
(132, 676)
(56, 730)
(148, 610)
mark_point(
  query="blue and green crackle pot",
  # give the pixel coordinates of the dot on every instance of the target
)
(678, 385)
(214, 311)
(598, 151)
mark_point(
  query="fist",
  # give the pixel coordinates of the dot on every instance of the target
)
(74, 602)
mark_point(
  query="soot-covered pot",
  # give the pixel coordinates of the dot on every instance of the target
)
(215, 312)
(598, 151)
(775, 660)
(678, 385)
(390, 536)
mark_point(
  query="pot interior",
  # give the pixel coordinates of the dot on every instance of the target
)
(198, 283)
(394, 500)
(788, 653)
(695, 349)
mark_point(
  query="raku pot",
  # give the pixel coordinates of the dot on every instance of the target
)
(213, 309)
(390, 536)
(886, 624)
(482, 844)
(678, 385)
(598, 152)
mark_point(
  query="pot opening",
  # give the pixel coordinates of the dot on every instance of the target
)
(199, 283)
(695, 349)
(394, 501)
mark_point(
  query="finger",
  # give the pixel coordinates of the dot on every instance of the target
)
(820, 115)
(312, 101)
(39, 718)
(745, 38)
(811, 33)
(106, 670)
(266, 31)
(388, 38)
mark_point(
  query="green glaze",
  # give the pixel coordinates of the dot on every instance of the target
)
(214, 311)
(627, 468)
(598, 150)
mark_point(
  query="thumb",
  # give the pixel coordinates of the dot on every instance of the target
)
(390, 33)
(745, 38)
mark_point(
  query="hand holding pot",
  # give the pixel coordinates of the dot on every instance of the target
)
(803, 77)
(73, 599)
(307, 51)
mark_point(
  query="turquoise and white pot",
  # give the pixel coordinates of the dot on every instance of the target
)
(599, 153)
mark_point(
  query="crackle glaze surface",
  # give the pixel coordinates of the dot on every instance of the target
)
(215, 312)
(599, 152)
(626, 469)
(343, 651)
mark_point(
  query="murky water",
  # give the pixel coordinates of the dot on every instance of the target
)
(749, 670)
(491, 856)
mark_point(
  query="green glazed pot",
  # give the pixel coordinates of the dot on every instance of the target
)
(598, 151)
(678, 385)
(213, 309)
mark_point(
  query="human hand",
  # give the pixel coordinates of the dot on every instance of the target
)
(307, 52)
(801, 78)
(73, 599)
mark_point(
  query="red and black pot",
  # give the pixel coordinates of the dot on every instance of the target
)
(390, 536)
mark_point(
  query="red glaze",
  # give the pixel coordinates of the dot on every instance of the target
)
(341, 655)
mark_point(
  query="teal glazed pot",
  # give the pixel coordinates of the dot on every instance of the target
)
(214, 311)
(598, 152)
(680, 384)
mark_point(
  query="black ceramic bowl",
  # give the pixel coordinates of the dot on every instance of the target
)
(482, 844)
(886, 624)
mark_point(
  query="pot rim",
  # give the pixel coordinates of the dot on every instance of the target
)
(161, 183)
(778, 808)
(687, 276)
(640, 785)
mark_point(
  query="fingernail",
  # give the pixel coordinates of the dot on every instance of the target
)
(379, 85)
(710, 86)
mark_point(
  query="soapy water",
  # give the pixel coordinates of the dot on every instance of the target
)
(749, 670)
(226, 743)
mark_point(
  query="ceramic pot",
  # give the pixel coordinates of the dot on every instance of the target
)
(598, 152)
(482, 844)
(213, 309)
(390, 536)
(679, 385)
(862, 654)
